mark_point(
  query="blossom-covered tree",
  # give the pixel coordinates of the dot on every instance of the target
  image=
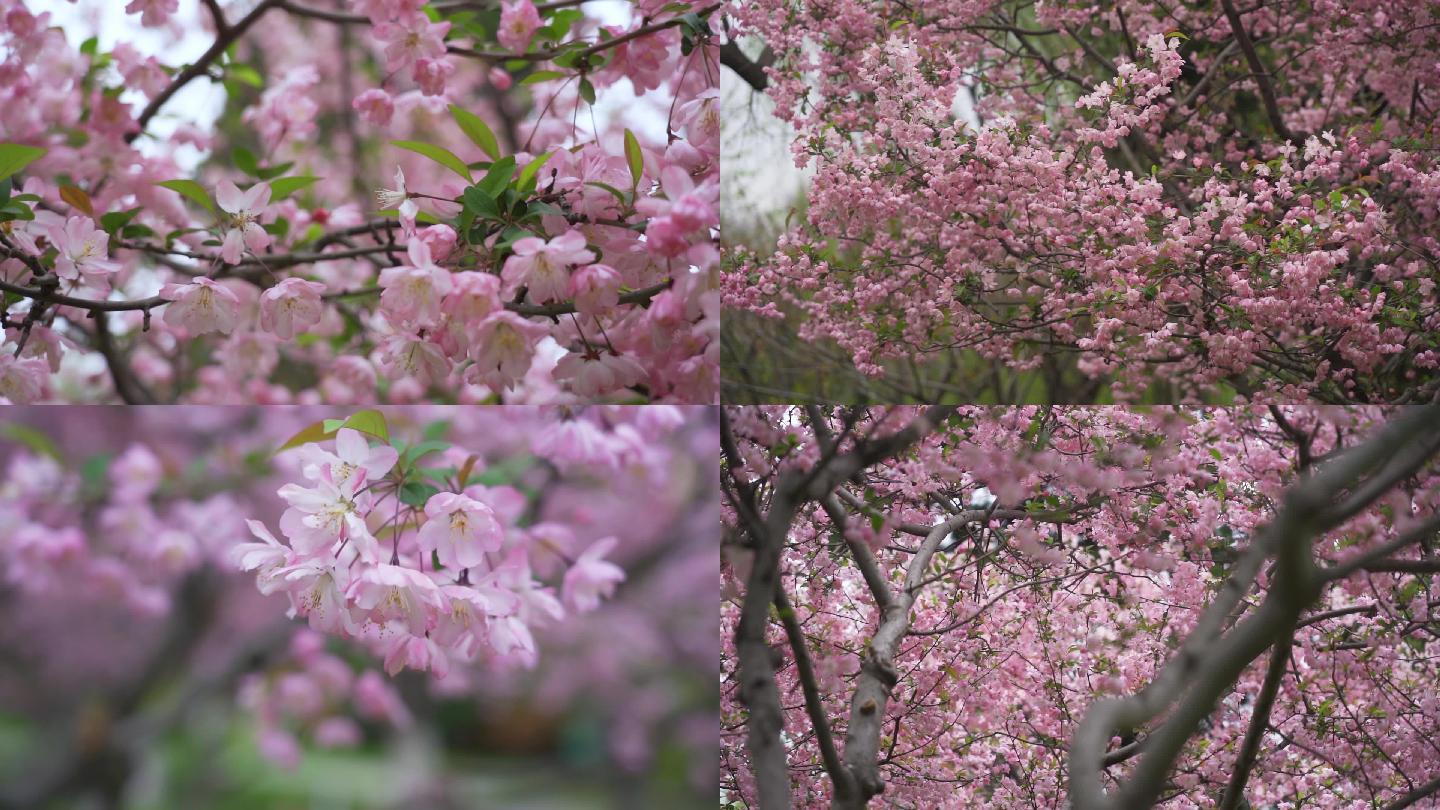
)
(570, 149)
(536, 578)
(1190, 201)
(1085, 607)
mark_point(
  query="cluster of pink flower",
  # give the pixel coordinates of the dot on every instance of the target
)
(606, 287)
(316, 696)
(147, 542)
(1126, 190)
(1019, 622)
(418, 574)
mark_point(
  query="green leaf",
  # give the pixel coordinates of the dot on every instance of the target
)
(93, 472)
(424, 449)
(35, 440)
(272, 172)
(527, 175)
(477, 130)
(115, 220)
(635, 158)
(311, 433)
(587, 91)
(368, 421)
(619, 195)
(191, 189)
(438, 154)
(543, 76)
(480, 203)
(244, 73)
(285, 186)
(245, 160)
(414, 493)
(16, 156)
(372, 422)
(498, 177)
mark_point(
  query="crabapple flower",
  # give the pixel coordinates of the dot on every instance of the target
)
(431, 75)
(518, 23)
(595, 288)
(590, 374)
(291, 306)
(203, 305)
(592, 578)
(406, 355)
(82, 250)
(375, 106)
(329, 512)
(541, 266)
(459, 530)
(267, 558)
(353, 457)
(414, 292)
(503, 348)
(395, 593)
(410, 38)
(242, 221)
(153, 12)
(399, 199)
(22, 379)
(418, 652)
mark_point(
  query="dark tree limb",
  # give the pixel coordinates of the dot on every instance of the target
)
(1257, 67)
(751, 71)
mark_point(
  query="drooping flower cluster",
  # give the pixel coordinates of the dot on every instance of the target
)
(425, 568)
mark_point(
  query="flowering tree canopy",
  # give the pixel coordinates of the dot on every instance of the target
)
(962, 607)
(544, 230)
(1204, 200)
(514, 574)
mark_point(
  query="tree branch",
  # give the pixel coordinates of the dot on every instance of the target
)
(1295, 584)
(805, 672)
(1257, 67)
(751, 71)
(223, 39)
(1259, 721)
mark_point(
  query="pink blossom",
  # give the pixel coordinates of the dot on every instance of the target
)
(459, 529)
(354, 460)
(375, 106)
(420, 653)
(242, 224)
(541, 266)
(502, 348)
(595, 373)
(201, 306)
(408, 355)
(431, 75)
(595, 288)
(153, 12)
(414, 292)
(393, 592)
(518, 22)
(592, 578)
(411, 37)
(291, 306)
(325, 514)
(82, 250)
